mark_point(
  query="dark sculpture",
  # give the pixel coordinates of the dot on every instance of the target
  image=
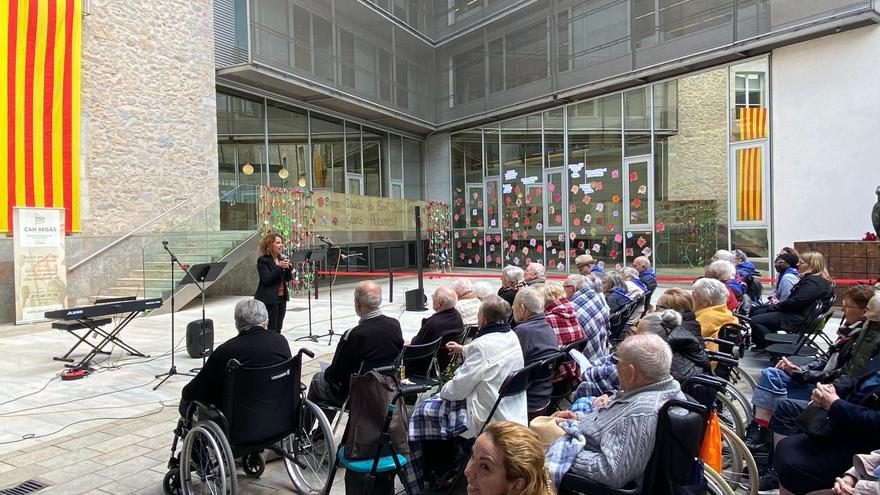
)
(875, 214)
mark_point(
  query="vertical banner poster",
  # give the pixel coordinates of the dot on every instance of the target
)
(40, 267)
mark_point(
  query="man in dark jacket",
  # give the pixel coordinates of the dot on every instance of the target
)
(444, 324)
(537, 339)
(254, 346)
(376, 341)
(646, 274)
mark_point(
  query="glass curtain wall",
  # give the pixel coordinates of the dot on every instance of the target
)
(673, 171)
(307, 149)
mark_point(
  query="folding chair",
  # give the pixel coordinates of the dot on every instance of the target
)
(543, 371)
(563, 389)
(801, 343)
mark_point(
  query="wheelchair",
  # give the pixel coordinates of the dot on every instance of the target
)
(263, 409)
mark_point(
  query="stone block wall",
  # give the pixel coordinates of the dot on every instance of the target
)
(149, 137)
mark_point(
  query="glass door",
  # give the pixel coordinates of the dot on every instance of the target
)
(555, 219)
(355, 184)
(638, 208)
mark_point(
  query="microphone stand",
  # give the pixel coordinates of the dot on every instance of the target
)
(173, 370)
(339, 257)
(311, 267)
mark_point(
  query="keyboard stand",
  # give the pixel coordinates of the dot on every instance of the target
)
(107, 338)
(72, 327)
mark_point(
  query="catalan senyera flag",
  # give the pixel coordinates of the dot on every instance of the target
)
(752, 123)
(749, 185)
(40, 43)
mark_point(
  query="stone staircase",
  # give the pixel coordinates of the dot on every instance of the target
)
(153, 279)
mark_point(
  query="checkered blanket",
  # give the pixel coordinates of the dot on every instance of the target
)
(433, 419)
(562, 452)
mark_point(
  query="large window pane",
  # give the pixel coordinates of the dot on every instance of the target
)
(468, 77)
(595, 195)
(637, 122)
(374, 144)
(522, 189)
(328, 153)
(691, 176)
(288, 145)
(467, 198)
(412, 169)
(526, 58)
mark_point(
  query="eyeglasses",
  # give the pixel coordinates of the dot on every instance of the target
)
(657, 306)
(569, 286)
(615, 359)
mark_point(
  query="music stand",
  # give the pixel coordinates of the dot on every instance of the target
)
(339, 257)
(305, 257)
(199, 275)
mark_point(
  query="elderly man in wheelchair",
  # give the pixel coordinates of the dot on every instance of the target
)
(248, 398)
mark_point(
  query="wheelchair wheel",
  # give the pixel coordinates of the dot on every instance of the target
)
(740, 375)
(206, 462)
(738, 467)
(741, 405)
(717, 485)
(253, 464)
(313, 446)
(171, 482)
(729, 415)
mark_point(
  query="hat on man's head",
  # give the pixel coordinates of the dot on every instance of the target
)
(790, 259)
(584, 259)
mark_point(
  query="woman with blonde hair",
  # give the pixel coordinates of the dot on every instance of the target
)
(788, 315)
(561, 316)
(507, 459)
(274, 271)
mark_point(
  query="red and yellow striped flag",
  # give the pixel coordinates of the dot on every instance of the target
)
(752, 123)
(749, 185)
(39, 136)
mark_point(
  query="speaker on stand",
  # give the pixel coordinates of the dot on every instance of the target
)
(415, 299)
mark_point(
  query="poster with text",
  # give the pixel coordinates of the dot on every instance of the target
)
(40, 267)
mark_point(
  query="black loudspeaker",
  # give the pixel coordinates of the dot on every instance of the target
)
(199, 342)
(416, 300)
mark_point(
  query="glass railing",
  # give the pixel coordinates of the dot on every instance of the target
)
(204, 237)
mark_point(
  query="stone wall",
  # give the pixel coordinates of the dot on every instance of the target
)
(149, 135)
(698, 152)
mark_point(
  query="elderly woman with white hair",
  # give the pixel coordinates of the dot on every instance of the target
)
(511, 283)
(725, 272)
(467, 305)
(612, 443)
(534, 275)
(482, 289)
(711, 309)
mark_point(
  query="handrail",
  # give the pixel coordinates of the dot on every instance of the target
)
(126, 236)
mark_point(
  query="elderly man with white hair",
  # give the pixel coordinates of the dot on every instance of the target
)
(467, 305)
(254, 346)
(534, 275)
(537, 339)
(445, 324)
(585, 294)
(710, 307)
(374, 342)
(612, 443)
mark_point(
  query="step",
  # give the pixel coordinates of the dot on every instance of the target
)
(189, 258)
(133, 290)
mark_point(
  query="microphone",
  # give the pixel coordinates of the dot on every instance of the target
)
(164, 243)
(281, 257)
(325, 240)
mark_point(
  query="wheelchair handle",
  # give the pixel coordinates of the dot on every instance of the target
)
(413, 389)
(722, 358)
(743, 318)
(719, 341)
(307, 352)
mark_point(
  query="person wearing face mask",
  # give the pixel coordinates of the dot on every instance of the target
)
(507, 459)
(274, 272)
(786, 268)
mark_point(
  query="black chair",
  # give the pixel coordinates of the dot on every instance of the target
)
(563, 389)
(420, 353)
(620, 318)
(543, 371)
(801, 342)
(647, 306)
(672, 462)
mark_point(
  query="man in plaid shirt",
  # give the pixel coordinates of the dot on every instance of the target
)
(592, 312)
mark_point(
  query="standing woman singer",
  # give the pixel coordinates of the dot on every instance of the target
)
(274, 271)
